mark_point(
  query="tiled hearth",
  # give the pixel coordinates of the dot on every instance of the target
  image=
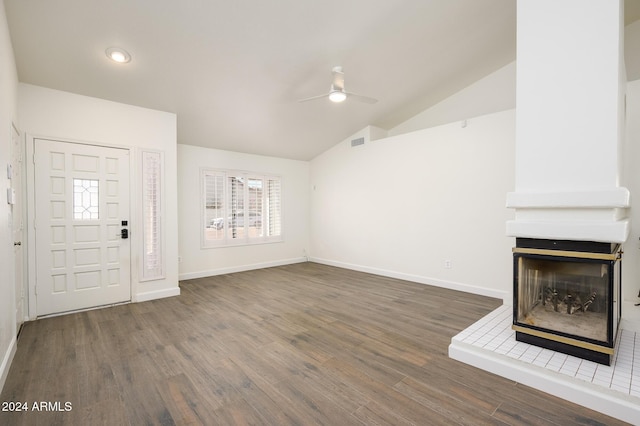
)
(490, 344)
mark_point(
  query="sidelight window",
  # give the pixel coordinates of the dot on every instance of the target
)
(152, 265)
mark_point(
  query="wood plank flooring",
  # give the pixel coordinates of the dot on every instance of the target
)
(301, 344)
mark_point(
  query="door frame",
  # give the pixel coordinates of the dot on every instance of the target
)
(21, 193)
(29, 160)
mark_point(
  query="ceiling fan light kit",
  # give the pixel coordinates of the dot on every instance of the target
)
(337, 92)
(337, 96)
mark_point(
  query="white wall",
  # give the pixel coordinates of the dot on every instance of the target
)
(404, 205)
(428, 230)
(199, 262)
(493, 93)
(8, 114)
(631, 48)
(66, 116)
(631, 257)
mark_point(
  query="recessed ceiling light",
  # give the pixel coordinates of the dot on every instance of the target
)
(118, 55)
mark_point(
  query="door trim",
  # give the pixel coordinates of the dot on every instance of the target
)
(23, 210)
(29, 201)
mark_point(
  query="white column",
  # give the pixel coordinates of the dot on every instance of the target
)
(569, 121)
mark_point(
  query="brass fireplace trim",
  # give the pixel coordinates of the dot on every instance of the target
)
(565, 340)
(565, 253)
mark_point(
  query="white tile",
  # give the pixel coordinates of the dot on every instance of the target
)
(620, 380)
(584, 377)
(540, 363)
(588, 366)
(600, 378)
(567, 371)
(623, 389)
(493, 333)
(497, 338)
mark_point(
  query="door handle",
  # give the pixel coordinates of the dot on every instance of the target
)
(124, 234)
(17, 243)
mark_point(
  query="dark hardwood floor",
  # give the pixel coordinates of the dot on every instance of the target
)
(294, 345)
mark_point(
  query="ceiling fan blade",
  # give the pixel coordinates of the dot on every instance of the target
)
(360, 98)
(313, 98)
(337, 85)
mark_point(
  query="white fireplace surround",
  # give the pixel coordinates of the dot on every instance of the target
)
(583, 215)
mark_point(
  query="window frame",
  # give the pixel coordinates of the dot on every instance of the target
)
(225, 211)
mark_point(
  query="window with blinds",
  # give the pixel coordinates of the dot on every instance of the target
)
(152, 254)
(240, 208)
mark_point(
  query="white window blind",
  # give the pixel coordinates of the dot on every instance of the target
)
(240, 208)
(273, 200)
(152, 253)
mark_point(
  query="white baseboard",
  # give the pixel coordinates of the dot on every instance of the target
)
(157, 294)
(240, 268)
(451, 285)
(6, 361)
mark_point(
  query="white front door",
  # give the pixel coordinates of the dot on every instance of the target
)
(82, 206)
(17, 224)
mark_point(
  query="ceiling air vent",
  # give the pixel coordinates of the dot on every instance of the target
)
(356, 142)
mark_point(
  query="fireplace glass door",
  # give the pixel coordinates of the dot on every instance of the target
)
(567, 297)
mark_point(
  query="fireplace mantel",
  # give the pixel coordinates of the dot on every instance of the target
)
(581, 215)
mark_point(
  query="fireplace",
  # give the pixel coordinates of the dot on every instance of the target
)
(566, 296)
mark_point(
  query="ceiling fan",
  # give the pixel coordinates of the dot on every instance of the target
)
(337, 92)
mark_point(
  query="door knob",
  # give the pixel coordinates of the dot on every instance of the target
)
(17, 243)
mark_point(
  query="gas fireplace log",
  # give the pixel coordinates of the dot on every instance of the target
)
(568, 299)
(552, 295)
(577, 304)
(589, 302)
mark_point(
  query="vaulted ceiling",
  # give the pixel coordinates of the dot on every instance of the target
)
(233, 71)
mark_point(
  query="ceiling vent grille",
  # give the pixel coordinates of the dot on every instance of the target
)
(356, 142)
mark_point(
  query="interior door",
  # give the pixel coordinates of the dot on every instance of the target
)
(82, 213)
(17, 224)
